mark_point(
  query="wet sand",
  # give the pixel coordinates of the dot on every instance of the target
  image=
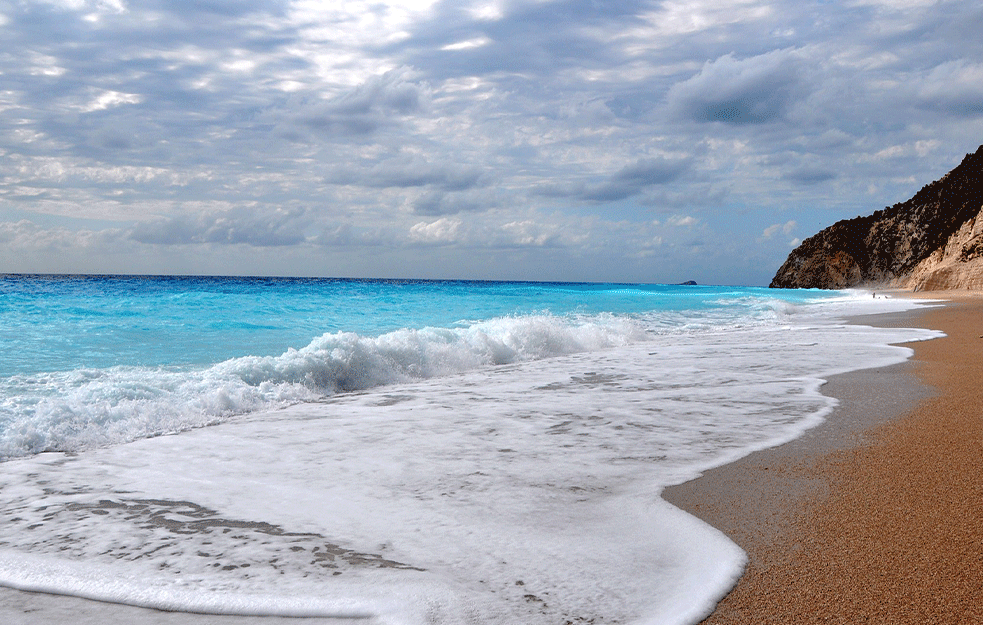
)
(876, 516)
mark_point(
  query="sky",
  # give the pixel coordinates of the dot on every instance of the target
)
(580, 140)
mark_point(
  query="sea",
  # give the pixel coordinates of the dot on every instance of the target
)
(398, 451)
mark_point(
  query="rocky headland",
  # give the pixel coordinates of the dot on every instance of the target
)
(934, 241)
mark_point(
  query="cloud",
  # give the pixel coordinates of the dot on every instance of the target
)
(412, 171)
(681, 220)
(104, 99)
(735, 91)
(223, 8)
(233, 227)
(558, 128)
(627, 182)
(635, 178)
(444, 230)
(26, 238)
(450, 203)
(378, 102)
(529, 233)
(954, 88)
(523, 37)
(809, 175)
(774, 229)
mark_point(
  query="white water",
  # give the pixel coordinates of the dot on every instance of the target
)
(83, 408)
(519, 493)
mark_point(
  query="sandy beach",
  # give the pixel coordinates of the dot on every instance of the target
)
(873, 517)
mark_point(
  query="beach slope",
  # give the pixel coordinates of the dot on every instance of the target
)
(875, 517)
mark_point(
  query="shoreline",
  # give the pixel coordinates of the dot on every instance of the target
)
(33, 608)
(872, 516)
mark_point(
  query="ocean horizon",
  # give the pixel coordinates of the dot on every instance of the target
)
(403, 451)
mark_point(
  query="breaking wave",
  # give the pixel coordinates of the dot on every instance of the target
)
(68, 411)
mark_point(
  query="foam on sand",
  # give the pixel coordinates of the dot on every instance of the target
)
(523, 492)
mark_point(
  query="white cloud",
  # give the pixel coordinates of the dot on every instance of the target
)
(237, 226)
(44, 65)
(468, 44)
(579, 134)
(693, 16)
(774, 229)
(25, 239)
(108, 99)
(681, 220)
(444, 230)
(529, 233)
(955, 88)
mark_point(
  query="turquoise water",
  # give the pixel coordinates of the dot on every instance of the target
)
(411, 452)
(94, 360)
(61, 323)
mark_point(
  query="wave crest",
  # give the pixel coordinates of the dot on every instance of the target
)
(72, 410)
(345, 361)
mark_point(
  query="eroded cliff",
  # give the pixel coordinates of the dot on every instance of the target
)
(932, 241)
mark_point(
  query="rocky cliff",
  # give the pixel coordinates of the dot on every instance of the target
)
(932, 241)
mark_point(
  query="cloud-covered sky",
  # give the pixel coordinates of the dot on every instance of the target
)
(614, 140)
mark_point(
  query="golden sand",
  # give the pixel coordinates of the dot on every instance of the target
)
(888, 529)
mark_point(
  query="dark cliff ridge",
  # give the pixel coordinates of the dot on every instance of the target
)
(888, 246)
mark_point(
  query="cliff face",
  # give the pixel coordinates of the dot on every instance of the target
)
(956, 265)
(932, 241)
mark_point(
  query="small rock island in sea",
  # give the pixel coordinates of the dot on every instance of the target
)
(934, 241)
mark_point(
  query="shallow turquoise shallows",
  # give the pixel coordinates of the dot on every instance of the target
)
(61, 323)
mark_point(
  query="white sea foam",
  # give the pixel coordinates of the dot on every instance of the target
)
(79, 409)
(526, 492)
